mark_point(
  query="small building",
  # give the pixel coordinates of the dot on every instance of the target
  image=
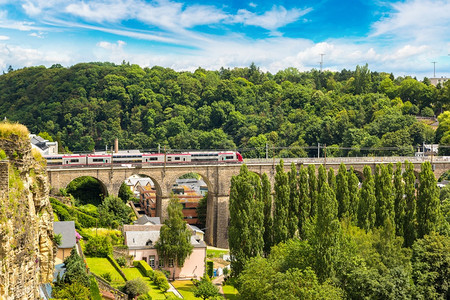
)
(435, 81)
(68, 239)
(45, 147)
(141, 240)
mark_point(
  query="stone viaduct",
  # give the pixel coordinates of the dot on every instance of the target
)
(217, 177)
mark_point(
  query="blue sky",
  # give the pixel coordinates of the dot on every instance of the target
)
(402, 37)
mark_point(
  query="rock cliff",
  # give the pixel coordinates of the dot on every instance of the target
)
(27, 250)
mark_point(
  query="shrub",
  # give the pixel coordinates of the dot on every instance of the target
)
(145, 268)
(136, 287)
(161, 281)
(106, 276)
(98, 246)
(144, 297)
(116, 266)
(121, 261)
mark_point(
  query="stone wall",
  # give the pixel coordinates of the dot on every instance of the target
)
(26, 222)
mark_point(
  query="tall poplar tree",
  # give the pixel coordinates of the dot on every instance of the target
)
(321, 178)
(305, 201)
(175, 238)
(410, 221)
(294, 196)
(268, 220)
(385, 199)
(399, 200)
(312, 186)
(327, 232)
(353, 184)
(332, 180)
(367, 200)
(428, 204)
(246, 229)
(342, 192)
(281, 212)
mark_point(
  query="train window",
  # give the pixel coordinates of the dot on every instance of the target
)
(169, 159)
(153, 158)
(97, 160)
(74, 160)
(229, 157)
(177, 158)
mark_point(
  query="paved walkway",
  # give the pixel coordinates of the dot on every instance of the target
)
(174, 290)
(218, 282)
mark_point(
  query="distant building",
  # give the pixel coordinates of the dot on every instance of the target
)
(44, 146)
(427, 150)
(141, 240)
(68, 238)
(436, 81)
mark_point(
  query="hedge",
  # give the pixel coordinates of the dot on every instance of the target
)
(210, 268)
(67, 213)
(95, 291)
(116, 266)
(145, 268)
(161, 281)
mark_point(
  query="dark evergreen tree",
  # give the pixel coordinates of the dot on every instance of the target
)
(342, 192)
(353, 184)
(293, 215)
(246, 218)
(281, 211)
(327, 232)
(268, 220)
(410, 221)
(367, 201)
(428, 204)
(399, 200)
(305, 201)
(312, 187)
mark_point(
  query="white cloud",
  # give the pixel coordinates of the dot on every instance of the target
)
(4, 38)
(109, 46)
(271, 20)
(420, 20)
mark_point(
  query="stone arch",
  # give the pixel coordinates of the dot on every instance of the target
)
(103, 187)
(358, 174)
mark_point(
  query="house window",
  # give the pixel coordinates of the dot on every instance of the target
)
(170, 262)
(151, 261)
(161, 262)
(144, 258)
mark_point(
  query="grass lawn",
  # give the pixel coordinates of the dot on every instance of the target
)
(210, 253)
(155, 292)
(230, 292)
(186, 288)
(99, 266)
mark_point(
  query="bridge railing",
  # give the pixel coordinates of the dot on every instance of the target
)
(354, 160)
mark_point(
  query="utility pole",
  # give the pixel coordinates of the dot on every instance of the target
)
(318, 150)
(434, 69)
(267, 151)
(321, 61)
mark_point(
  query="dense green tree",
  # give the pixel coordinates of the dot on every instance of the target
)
(321, 179)
(98, 246)
(399, 200)
(342, 192)
(268, 219)
(304, 200)
(331, 179)
(431, 267)
(410, 221)
(206, 290)
(246, 230)
(384, 208)
(76, 271)
(428, 204)
(353, 203)
(175, 238)
(125, 192)
(367, 201)
(136, 287)
(294, 202)
(312, 187)
(327, 232)
(114, 212)
(281, 203)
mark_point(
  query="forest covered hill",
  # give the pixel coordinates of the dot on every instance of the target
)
(87, 105)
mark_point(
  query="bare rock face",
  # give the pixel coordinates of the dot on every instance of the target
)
(27, 250)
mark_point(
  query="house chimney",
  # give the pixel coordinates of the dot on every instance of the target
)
(116, 145)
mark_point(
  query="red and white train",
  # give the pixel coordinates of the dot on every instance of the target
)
(135, 157)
